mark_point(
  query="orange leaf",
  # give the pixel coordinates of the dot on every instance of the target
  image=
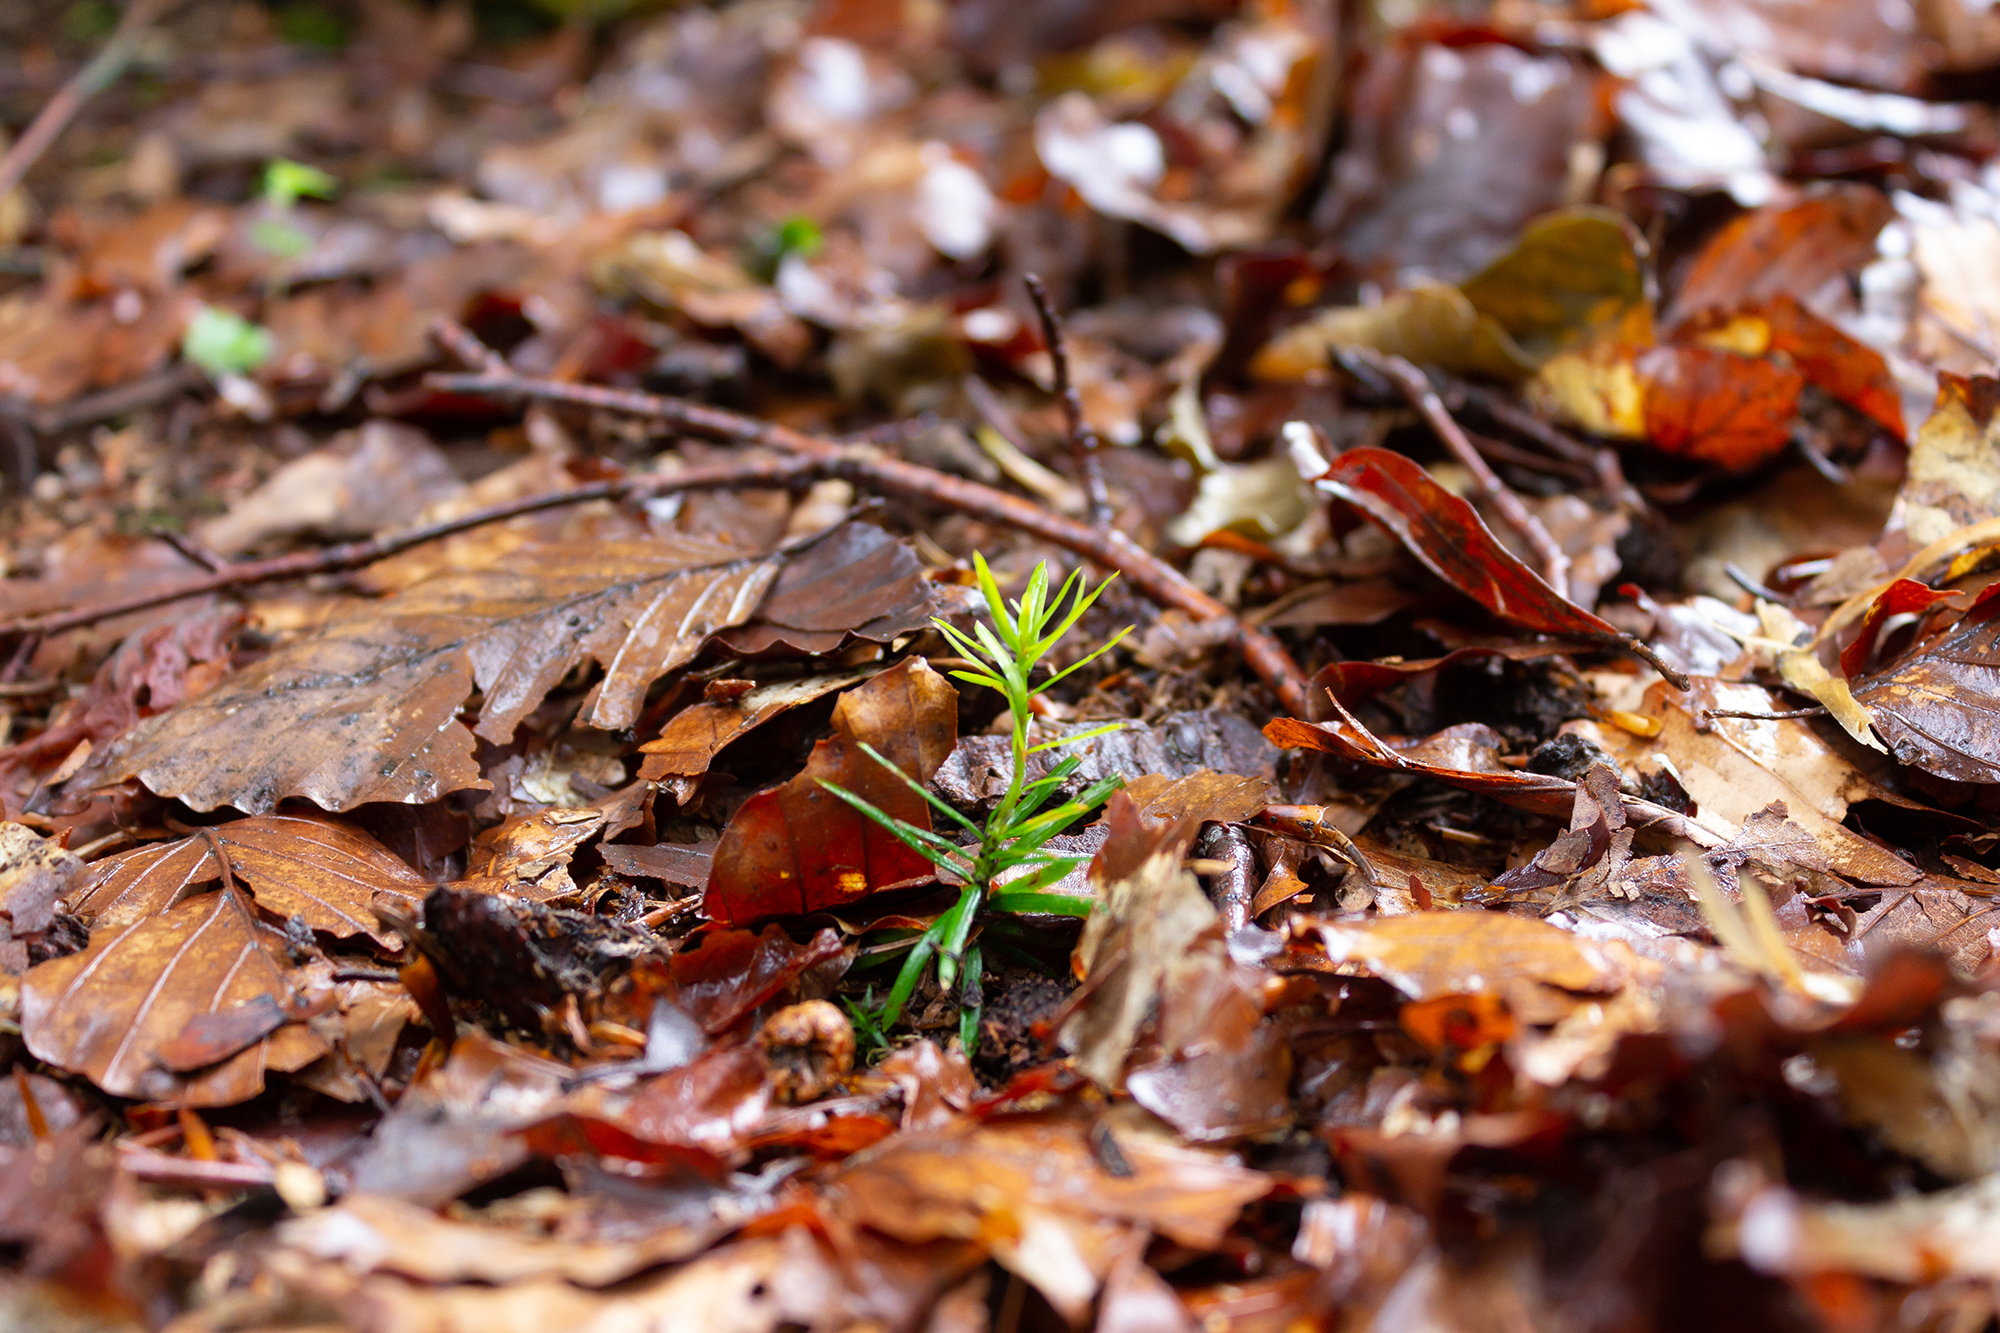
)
(1717, 407)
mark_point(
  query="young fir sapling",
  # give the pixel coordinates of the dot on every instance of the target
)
(1008, 868)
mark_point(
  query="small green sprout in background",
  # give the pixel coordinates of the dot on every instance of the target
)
(222, 342)
(796, 235)
(88, 22)
(285, 183)
(307, 24)
(1007, 654)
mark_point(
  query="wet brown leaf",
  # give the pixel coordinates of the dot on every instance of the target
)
(1453, 148)
(1447, 534)
(323, 871)
(1466, 756)
(799, 848)
(1939, 709)
(106, 1012)
(368, 708)
(856, 582)
(1716, 406)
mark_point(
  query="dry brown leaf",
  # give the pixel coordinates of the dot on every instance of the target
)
(317, 869)
(35, 872)
(1738, 766)
(373, 1233)
(1430, 954)
(1034, 1192)
(1139, 940)
(367, 710)
(1203, 795)
(1788, 249)
(106, 1012)
(1953, 476)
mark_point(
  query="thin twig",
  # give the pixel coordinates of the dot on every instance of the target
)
(103, 69)
(353, 555)
(1602, 459)
(158, 1168)
(190, 548)
(1106, 547)
(1526, 423)
(1411, 383)
(1780, 715)
(1082, 439)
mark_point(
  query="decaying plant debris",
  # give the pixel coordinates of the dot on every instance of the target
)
(812, 664)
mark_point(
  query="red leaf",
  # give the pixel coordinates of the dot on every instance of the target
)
(798, 847)
(1543, 793)
(1903, 597)
(1446, 534)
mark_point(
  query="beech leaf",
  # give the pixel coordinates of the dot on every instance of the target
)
(316, 869)
(1446, 534)
(108, 1012)
(800, 848)
(367, 709)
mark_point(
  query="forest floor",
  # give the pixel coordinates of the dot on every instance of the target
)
(559, 766)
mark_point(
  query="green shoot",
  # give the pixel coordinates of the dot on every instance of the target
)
(1009, 867)
(286, 182)
(796, 235)
(222, 342)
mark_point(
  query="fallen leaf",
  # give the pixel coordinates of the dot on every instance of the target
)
(368, 707)
(1139, 940)
(1952, 1234)
(317, 869)
(1845, 369)
(1716, 406)
(1175, 746)
(1952, 480)
(370, 1233)
(1452, 148)
(1939, 707)
(1568, 273)
(1204, 796)
(1431, 954)
(1571, 272)
(104, 1013)
(1902, 598)
(1735, 767)
(1465, 756)
(457, 1127)
(1446, 534)
(856, 583)
(1032, 1191)
(733, 972)
(692, 738)
(1785, 249)
(798, 847)
(35, 874)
